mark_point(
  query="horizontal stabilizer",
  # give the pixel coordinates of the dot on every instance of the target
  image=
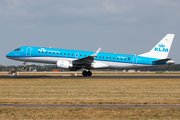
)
(162, 60)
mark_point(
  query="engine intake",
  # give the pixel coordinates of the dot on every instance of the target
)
(62, 64)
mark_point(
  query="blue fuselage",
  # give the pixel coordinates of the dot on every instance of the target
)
(52, 55)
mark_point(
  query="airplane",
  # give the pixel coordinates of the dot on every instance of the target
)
(87, 60)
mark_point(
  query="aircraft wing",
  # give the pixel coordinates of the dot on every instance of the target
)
(87, 61)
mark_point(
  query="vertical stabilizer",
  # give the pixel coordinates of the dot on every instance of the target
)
(161, 50)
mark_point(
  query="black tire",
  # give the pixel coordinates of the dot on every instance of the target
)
(84, 73)
(89, 73)
(23, 68)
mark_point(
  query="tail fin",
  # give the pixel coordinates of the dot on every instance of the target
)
(161, 50)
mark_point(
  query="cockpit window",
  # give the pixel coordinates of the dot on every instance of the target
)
(17, 49)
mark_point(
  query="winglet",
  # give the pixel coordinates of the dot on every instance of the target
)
(95, 54)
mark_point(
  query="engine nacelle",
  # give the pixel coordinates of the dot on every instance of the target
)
(170, 62)
(62, 64)
(99, 65)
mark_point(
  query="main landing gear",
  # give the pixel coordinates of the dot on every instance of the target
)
(86, 73)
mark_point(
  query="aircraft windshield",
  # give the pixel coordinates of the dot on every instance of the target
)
(17, 49)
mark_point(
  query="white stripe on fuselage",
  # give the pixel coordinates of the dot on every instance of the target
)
(53, 60)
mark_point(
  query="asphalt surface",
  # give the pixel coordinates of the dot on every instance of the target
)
(90, 106)
(95, 77)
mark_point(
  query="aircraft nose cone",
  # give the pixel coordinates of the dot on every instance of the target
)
(9, 55)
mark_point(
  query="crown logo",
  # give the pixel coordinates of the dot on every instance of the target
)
(161, 45)
(42, 49)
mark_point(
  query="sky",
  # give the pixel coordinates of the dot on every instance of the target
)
(121, 26)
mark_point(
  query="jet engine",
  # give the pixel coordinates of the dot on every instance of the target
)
(170, 62)
(62, 64)
(99, 65)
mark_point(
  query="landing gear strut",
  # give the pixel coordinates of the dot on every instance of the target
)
(86, 73)
(24, 67)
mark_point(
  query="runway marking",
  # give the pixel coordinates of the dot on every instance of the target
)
(90, 106)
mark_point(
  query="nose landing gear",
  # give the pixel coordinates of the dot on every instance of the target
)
(86, 73)
(24, 66)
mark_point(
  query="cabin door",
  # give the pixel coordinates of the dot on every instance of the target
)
(134, 61)
(28, 52)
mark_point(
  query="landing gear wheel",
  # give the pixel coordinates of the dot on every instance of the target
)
(86, 73)
(23, 68)
(89, 73)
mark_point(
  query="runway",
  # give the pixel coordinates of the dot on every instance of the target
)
(94, 77)
(90, 106)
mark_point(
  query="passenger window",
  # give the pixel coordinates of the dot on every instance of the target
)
(117, 58)
(38, 51)
(121, 58)
(64, 53)
(109, 57)
(72, 54)
(129, 58)
(57, 53)
(102, 57)
(61, 53)
(106, 57)
(124, 58)
(113, 58)
(84, 55)
(53, 52)
(49, 52)
(99, 56)
(68, 54)
(42, 51)
(46, 52)
(80, 55)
